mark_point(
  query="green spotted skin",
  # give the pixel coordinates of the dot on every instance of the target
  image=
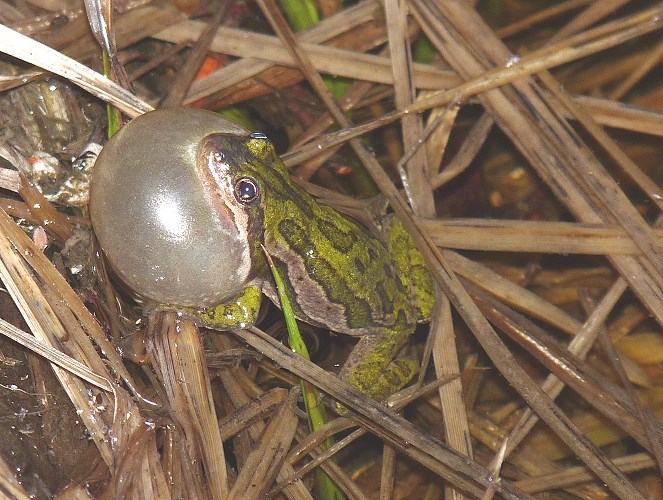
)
(337, 273)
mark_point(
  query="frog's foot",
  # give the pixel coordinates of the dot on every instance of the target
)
(372, 369)
(237, 313)
(392, 379)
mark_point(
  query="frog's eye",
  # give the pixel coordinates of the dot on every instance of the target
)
(257, 135)
(247, 191)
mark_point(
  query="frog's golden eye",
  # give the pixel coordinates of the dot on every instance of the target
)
(247, 191)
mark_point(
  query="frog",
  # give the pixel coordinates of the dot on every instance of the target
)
(185, 203)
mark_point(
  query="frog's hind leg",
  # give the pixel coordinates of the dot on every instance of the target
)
(411, 269)
(372, 370)
(393, 378)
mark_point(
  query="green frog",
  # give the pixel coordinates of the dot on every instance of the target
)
(182, 202)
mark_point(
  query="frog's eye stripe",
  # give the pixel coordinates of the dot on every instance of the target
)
(257, 135)
(247, 191)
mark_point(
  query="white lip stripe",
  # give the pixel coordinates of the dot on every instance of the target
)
(218, 169)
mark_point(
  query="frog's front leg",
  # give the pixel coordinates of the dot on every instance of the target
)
(371, 367)
(240, 312)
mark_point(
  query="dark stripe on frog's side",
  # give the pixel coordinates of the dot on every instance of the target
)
(282, 269)
(358, 313)
(325, 276)
(359, 309)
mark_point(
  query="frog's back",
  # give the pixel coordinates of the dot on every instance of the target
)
(340, 275)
